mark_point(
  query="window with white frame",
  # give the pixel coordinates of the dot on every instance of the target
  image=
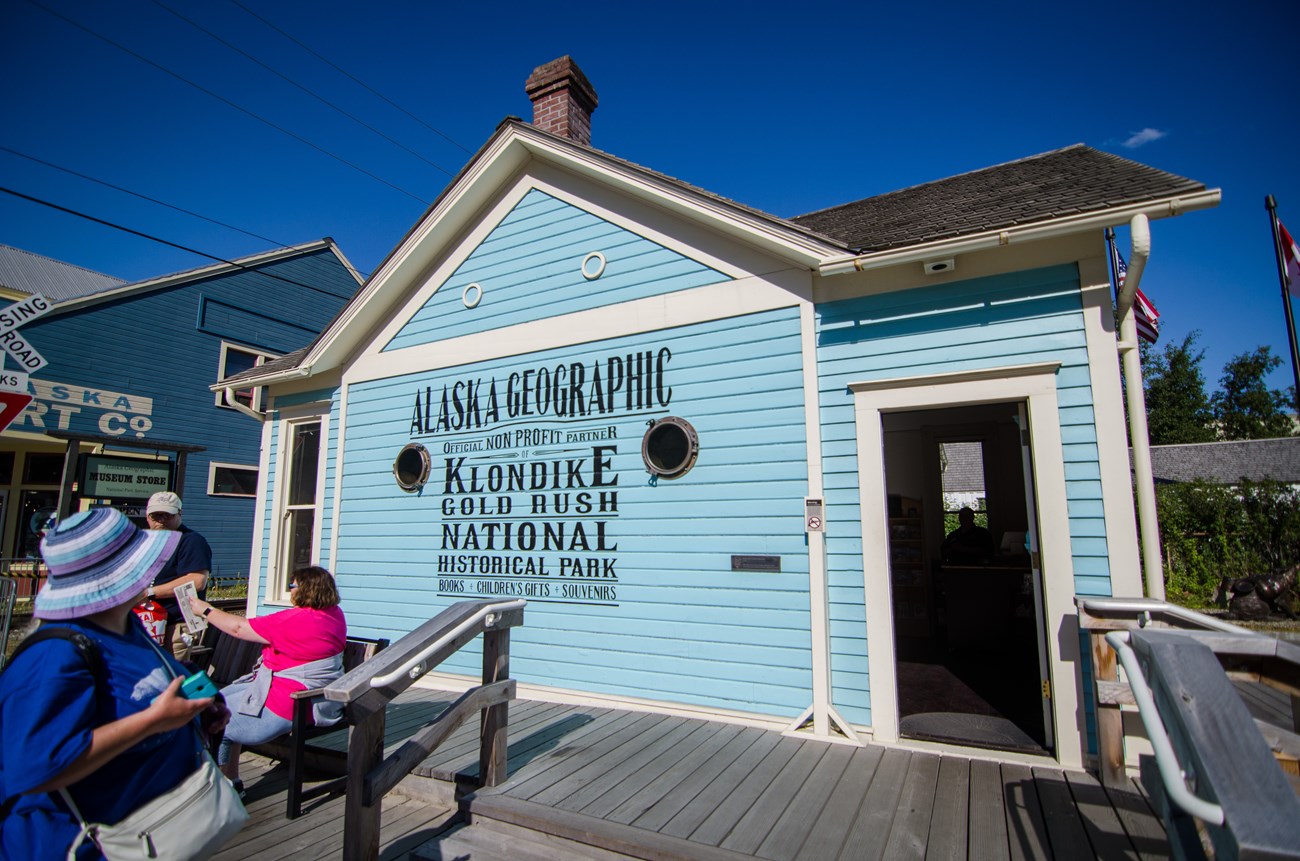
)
(231, 479)
(235, 360)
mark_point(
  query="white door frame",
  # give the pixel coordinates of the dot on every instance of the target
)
(1036, 386)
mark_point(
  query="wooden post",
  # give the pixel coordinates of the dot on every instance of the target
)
(360, 815)
(495, 720)
(1110, 720)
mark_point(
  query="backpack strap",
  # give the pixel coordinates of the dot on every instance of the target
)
(86, 647)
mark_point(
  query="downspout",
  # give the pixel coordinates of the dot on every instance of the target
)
(228, 395)
(1139, 437)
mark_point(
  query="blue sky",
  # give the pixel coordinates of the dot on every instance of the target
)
(786, 108)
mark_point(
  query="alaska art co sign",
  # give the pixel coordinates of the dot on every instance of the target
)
(524, 469)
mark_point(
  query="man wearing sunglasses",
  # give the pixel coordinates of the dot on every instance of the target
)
(191, 562)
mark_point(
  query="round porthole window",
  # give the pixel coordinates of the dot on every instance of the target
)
(412, 467)
(670, 447)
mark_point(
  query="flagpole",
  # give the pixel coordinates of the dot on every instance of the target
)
(1114, 270)
(1271, 205)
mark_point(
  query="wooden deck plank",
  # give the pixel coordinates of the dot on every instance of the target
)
(836, 818)
(866, 840)
(1026, 832)
(564, 761)
(613, 753)
(950, 821)
(911, 828)
(700, 779)
(742, 795)
(617, 778)
(716, 736)
(552, 743)
(1065, 827)
(1106, 833)
(460, 752)
(721, 788)
(760, 819)
(685, 788)
(525, 744)
(664, 758)
(800, 814)
(988, 816)
(1144, 829)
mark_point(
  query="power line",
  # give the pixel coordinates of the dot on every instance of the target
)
(351, 76)
(226, 101)
(153, 238)
(141, 196)
(309, 92)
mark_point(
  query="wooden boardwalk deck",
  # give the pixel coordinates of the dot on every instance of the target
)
(652, 786)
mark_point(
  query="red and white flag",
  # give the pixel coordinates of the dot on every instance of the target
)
(1144, 313)
(1147, 317)
(1290, 257)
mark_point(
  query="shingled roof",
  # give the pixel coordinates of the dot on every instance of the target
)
(1069, 181)
(1228, 462)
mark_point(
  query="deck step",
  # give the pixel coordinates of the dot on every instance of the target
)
(489, 840)
(618, 841)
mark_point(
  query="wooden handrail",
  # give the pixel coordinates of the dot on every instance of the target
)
(1217, 748)
(370, 775)
(1100, 616)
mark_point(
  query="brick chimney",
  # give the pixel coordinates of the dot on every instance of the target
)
(563, 99)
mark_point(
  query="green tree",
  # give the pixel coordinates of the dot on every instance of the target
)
(1178, 410)
(1245, 407)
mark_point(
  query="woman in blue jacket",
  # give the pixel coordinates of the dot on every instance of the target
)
(113, 737)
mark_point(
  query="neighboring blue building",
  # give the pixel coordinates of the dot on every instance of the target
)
(129, 366)
(704, 442)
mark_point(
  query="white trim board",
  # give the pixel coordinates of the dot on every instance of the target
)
(1036, 386)
(699, 305)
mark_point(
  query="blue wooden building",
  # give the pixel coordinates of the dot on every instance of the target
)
(122, 408)
(707, 445)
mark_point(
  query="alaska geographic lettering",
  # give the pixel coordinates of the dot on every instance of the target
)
(528, 502)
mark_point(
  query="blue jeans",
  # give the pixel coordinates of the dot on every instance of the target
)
(244, 729)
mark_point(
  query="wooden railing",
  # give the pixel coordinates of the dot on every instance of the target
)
(367, 690)
(1215, 768)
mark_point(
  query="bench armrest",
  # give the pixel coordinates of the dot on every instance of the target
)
(310, 693)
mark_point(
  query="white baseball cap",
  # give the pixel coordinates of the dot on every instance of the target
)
(165, 501)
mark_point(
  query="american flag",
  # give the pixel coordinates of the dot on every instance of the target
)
(1146, 315)
(1291, 257)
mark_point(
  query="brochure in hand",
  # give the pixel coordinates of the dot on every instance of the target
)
(194, 623)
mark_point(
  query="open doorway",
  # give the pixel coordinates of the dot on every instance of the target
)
(966, 595)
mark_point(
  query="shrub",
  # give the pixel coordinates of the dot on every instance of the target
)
(1210, 532)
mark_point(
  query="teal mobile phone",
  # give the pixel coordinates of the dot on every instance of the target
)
(198, 686)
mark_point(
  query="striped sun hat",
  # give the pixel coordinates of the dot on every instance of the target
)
(99, 559)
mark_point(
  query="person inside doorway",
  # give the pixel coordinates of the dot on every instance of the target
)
(191, 563)
(968, 544)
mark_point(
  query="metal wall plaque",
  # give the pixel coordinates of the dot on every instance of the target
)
(755, 563)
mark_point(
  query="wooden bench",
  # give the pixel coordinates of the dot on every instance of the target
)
(233, 658)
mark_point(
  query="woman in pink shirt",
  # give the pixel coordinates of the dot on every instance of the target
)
(303, 649)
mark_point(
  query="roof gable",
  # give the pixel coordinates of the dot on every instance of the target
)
(548, 257)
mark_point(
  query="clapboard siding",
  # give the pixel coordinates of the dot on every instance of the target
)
(1014, 319)
(165, 344)
(680, 625)
(529, 269)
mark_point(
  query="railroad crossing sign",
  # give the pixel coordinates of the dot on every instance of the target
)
(14, 384)
(12, 405)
